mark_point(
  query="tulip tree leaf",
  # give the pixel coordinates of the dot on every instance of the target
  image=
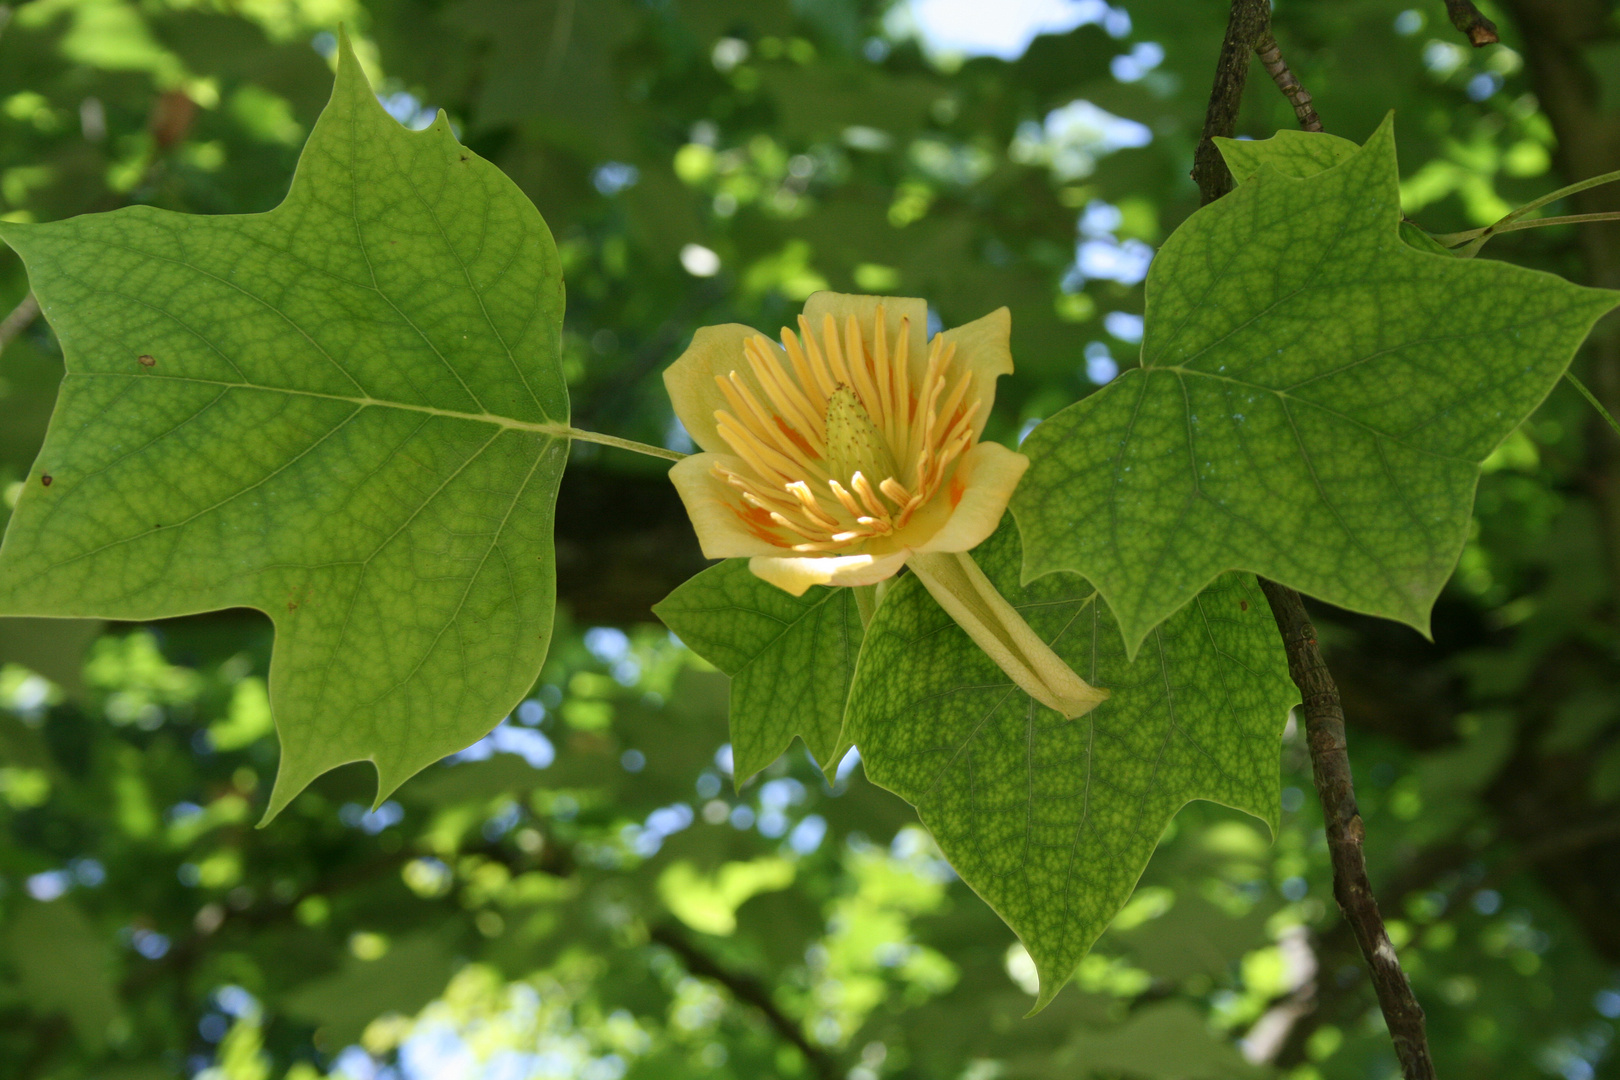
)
(1305, 153)
(790, 659)
(346, 412)
(1051, 820)
(1314, 402)
(1293, 153)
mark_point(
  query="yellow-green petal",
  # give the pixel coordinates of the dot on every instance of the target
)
(842, 305)
(795, 574)
(716, 351)
(717, 511)
(985, 477)
(984, 347)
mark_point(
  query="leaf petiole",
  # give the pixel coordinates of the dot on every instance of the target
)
(1592, 398)
(1475, 238)
(1589, 182)
(622, 444)
(1453, 239)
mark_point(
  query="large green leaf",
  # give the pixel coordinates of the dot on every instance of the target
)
(1052, 820)
(790, 659)
(346, 412)
(1314, 402)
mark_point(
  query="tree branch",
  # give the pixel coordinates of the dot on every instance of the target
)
(1249, 28)
(1467, 18)
(1249, 20)
(744, 988)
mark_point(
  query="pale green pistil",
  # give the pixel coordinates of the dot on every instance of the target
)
(854, 443)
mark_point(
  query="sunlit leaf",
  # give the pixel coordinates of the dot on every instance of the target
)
(790, 659)
(1052, 820)
(344, 413)
(1314, 402)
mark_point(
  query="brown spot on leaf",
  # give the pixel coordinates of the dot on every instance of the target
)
(292, 605)
(1243, 605)
(145, 360)
(45, 478)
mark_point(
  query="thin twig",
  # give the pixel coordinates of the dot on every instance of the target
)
(1324, 714)
(1330, 768)
(24, 313)
(744, 988)
(1271, 57)
(1467, 18)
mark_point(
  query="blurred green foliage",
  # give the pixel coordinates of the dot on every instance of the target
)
(584, 894)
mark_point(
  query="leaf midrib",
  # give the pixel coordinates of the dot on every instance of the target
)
(1285, 396)
(557, 430)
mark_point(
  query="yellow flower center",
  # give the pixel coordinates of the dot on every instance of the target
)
(846, 448)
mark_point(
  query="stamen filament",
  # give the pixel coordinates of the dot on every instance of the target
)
(902, 389)
(812, 509)
(948, 409)
(751, 449)
(844, 497)
(785, 393)
(810, 376)
(863, 487)
(767, 432)
(855, 353)
(884, 373)
(895, 491)
(835, 354)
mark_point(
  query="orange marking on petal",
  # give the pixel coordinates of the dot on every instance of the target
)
(757, 521)
(958, 487)
(797, 439)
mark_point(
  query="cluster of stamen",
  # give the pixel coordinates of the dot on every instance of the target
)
(846, 449)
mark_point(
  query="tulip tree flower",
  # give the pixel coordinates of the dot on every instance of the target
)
(852, 448)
